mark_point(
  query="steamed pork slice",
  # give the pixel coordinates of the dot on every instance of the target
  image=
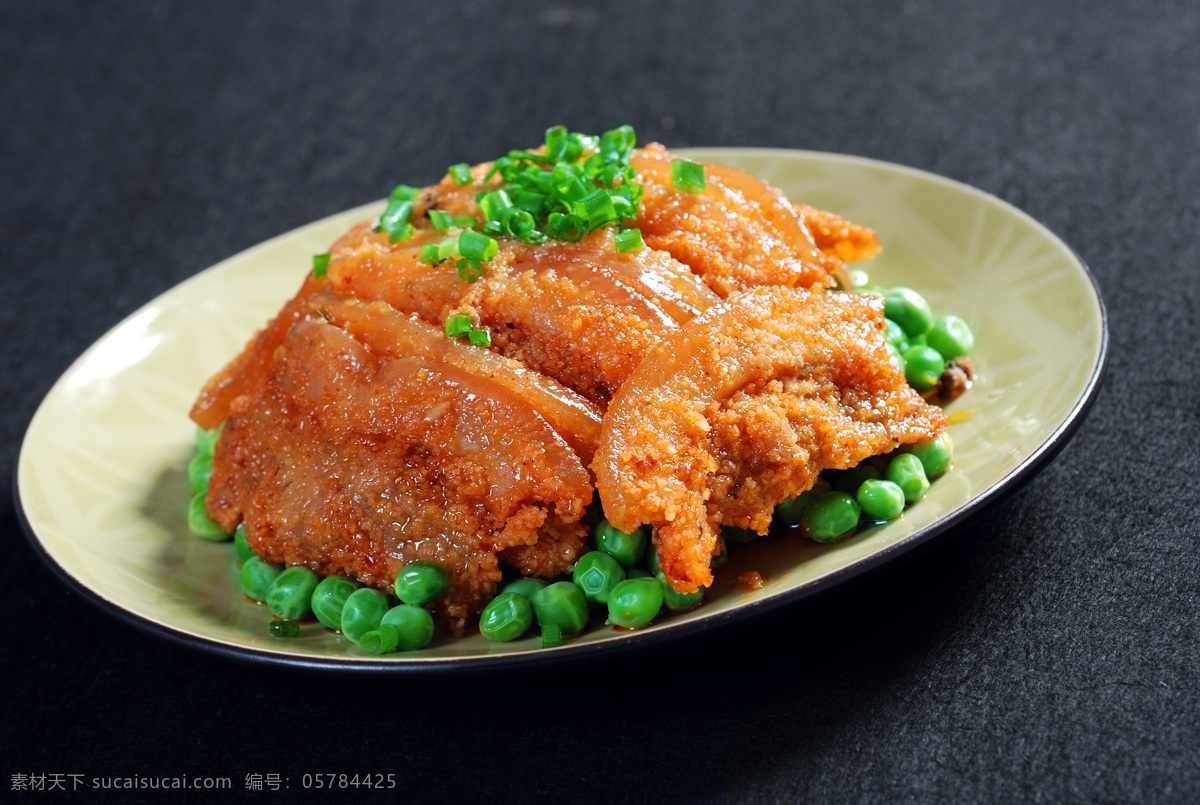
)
(577, 312)
(750, 403)
(739, 233)
(583, 314)
(351, 464)
(390, 334)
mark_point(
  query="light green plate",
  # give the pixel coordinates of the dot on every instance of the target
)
(101, 476)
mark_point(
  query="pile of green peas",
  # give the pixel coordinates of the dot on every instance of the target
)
(367, 617)
(619, 579)
(874, 491)
(919, 345)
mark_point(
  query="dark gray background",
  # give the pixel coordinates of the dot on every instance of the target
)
(1047, 653)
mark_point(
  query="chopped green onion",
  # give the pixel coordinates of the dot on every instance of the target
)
(394, 220)
(404, 192)
(494, 205)
(470, 269)
(687, 176)
(461, 174)
(402, 232)
(320, 265)
(628, 240)
(441, 220)
(477, 246)
(458, 325)
(480, 338)
(430, 253)
(465, 221)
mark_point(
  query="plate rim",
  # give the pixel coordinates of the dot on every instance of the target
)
(1005, 486)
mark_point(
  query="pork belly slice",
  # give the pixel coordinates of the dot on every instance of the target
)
(354, 464)
(739, 233)
(743, 409)
(577, 312)
(390, 334)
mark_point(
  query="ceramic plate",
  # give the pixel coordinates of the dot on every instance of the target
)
(101, 476)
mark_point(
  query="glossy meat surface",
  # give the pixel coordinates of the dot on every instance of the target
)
(748, 405)
(350, 463)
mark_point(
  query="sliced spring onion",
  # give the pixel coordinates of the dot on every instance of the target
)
(480, 338)
(477, 246)
(687, 176)
(470, 269)
(320, 265)
(441, 220)
(465, 221)
(461, 174)
(628, 240)
(458, 325)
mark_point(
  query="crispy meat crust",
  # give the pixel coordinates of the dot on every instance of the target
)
(748, 405)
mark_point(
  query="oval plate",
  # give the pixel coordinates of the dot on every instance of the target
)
(101, 474)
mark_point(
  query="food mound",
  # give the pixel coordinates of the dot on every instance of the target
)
(460, 379)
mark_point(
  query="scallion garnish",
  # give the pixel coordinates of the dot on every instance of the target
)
(458, 325)
(465, 221)
(627, 240)
(470, 269)
(320, 265)
(687, 176)
(477, 245)
(461, 174)
(441, 220)
(480, 338)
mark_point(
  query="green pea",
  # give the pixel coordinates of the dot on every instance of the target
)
(329, 598)
(678, 602)
(850, 480)
(952, 337)
(737, 535)
(240, 545)
(628, 548)
(895, 357)
(383, 640)
(882, 500)
(363, 612)
(200, 524)
(421, 582)
(909, 309)
(635, 602)
(859, 279)
(206, 440)
(291, 593)
(895, 334)
(935, 454)
(525, 587)
(284, 628)
(506, 617)
(638, 573)
(561, 605)
(906, 472)
(831, 517)
(257, 576)
(415, 626)
(792, 509)
(199, 470)
(596, 573)
(922, 367)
